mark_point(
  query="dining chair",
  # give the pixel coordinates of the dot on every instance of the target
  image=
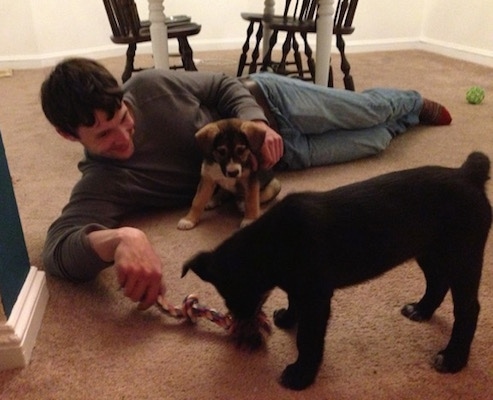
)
(298, 19)
(127, 28)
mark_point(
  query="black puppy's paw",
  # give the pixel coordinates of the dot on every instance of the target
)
(285, 318)
(296, 377)
(447, 363)
(413, 312)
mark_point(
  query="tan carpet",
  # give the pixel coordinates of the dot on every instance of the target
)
(94, 344)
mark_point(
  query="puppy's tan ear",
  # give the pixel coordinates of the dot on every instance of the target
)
(205, 137)
(255, 135)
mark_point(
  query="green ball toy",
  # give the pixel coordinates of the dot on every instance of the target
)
(475, 95)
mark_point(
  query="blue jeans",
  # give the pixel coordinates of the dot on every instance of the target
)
(322, 125)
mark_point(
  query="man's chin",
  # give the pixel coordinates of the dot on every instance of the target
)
(122, 155)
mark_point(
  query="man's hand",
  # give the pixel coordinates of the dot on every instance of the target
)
(273, 148)
(138, 267)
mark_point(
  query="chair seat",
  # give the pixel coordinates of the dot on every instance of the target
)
(269, 19)
(256, 17)
(295, 25)
(292, 24)
(278, 21)
(174, 31)
(188, 29)
(129, 29)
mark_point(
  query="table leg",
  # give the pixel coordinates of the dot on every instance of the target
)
(269, 6)
(159, 34)
(325, 26)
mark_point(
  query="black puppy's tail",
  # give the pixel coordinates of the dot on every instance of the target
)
(477, 169)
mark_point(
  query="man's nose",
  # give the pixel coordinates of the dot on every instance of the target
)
(122, 134)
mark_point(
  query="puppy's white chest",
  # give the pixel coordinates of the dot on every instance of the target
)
(214, 171)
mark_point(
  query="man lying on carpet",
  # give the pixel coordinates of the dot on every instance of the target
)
(140, 151)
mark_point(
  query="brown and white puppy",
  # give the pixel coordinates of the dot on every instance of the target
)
(231, 149)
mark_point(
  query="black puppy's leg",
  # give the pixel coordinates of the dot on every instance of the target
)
(314, 314)
(437, 285)
(465, 288)
(286, 318)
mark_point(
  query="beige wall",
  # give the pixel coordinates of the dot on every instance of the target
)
(39, 32)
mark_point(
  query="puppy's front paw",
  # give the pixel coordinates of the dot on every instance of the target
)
(450, 362)
(413, 312)
(297, 377)
(185, 224)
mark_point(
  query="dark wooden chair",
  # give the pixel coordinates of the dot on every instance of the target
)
(253, 19)
(129, 29)
(298, 19)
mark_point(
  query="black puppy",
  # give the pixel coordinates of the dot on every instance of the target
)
(310, 244)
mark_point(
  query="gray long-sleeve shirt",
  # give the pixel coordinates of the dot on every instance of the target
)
(169, 107)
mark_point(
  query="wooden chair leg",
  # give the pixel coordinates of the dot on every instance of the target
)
(309, 56)
(331, 76)
(297, 58)
(256, 49)
(345, 66)
(267, 60)
(286, 47)
(244, 49)
(129, 63)
(186, 54)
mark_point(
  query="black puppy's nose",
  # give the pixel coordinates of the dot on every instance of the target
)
(233, 174)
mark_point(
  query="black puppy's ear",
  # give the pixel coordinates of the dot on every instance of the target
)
(255, 135)
(205, 137)
(203, 265)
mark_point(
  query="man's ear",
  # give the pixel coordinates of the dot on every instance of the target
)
(255, 135)
(66, 135)
(203, 265)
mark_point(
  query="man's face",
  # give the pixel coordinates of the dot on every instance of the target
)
(110, 138)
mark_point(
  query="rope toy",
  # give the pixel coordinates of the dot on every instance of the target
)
(192, 310)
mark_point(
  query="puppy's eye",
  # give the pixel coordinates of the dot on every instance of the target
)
(222, 151)
(240, 150)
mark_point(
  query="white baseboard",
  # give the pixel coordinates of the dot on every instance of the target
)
(474, 55)
(452, 50)
(18, 335)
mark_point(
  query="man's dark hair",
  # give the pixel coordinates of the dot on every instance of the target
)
(74, 90)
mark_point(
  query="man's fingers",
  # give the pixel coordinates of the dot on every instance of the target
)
(150, 297)
(137, 291)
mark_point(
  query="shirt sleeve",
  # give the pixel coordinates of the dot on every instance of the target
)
(223, 95)
(232, 99)
(67, 252)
